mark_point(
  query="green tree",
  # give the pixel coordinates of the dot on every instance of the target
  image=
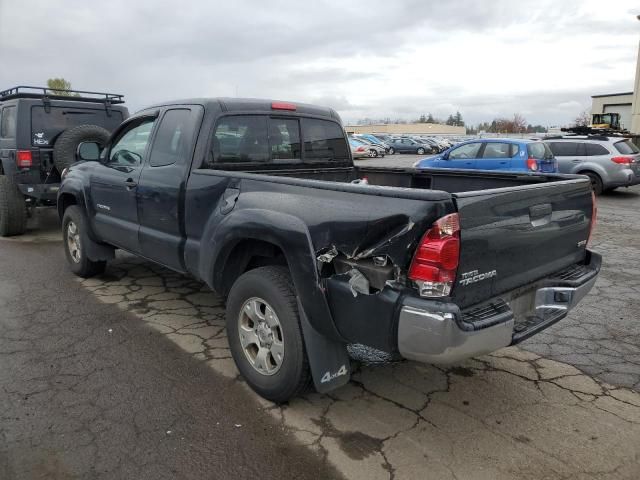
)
(457, 119)
(430, 119)
(422, 119)
(58, 86)
(451, 120)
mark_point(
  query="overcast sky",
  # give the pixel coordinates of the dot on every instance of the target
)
(398, 59)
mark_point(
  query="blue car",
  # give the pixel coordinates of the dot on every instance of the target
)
(514, 155)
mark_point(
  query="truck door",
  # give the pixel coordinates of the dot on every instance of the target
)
(160, 209)
(114, 185)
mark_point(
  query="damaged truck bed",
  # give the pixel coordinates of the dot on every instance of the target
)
(261, 201)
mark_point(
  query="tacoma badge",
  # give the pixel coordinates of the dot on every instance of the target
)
(474, 277)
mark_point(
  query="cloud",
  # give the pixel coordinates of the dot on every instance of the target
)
(392, 59)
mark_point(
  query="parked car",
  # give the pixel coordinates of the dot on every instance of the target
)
(495, 154)
(610, 162)
(361, 149)
(435, 145)
(39, 134)
(374, 150)
(409, 145)
(373, 139)
(310, 258)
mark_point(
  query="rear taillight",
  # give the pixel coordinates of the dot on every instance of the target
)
(435, 262)
(24, 159)
(622, 160)
(360, 149)
(594, 216)
(532, 164)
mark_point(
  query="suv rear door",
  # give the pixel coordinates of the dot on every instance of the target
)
(570, 154)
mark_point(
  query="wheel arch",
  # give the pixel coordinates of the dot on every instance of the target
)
(249, 238)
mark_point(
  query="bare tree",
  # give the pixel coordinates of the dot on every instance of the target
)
(583, 119)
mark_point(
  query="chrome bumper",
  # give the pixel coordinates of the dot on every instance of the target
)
(432, 336)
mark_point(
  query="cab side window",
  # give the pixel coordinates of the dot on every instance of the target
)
(173, 138)
(129, 148)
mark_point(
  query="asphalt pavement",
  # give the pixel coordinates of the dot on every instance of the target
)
(89, 392)
(128, 375)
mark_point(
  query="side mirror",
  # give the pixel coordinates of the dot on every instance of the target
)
(88, 151)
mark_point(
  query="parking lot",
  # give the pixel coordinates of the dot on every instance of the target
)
(134, 379)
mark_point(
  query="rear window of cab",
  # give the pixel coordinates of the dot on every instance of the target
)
(265, 139)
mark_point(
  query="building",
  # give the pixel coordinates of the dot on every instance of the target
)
(621, 103)
(627, 104)
(413, 128)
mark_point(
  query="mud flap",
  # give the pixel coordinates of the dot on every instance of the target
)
(328, 359)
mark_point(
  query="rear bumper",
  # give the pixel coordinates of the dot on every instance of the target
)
(436, 332)
(43, 192)
(623, 178)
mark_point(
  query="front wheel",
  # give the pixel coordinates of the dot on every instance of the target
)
(265, 336)
(75, 239)
(421, 151)
(373, 153)
(391, 150)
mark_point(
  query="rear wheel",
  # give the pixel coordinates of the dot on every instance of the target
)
(596, 182)
(392, 150)
(76, 240)
(13, 209)
(265, 335)
(373, 153)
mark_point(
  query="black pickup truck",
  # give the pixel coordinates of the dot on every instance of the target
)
(261, 201)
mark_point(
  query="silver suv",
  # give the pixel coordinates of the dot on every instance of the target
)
(610, 162)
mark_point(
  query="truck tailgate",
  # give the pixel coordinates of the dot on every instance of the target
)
(511, 237)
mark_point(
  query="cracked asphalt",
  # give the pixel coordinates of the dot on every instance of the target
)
(94, 373)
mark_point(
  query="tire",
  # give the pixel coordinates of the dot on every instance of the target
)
(64, 149)
(13, 209)
(420, 151)
(290, 376)
(373, 153)
(596, 182)
(74, 225)
(392, 150)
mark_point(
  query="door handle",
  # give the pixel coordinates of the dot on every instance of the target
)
(130, 183)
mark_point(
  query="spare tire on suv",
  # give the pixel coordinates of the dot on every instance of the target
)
(64, 150)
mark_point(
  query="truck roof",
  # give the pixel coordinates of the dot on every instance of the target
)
(229, 104)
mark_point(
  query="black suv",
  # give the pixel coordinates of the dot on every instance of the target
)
(40, 131)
